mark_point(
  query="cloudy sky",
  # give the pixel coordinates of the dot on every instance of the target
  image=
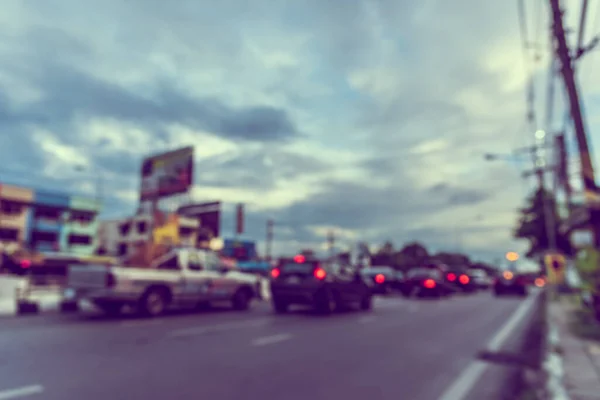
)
(369, 117)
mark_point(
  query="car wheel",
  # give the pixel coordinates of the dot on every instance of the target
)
(24, 308)
(69, 307)
(241, 300)
(153, 303)
(497, 292)
(366, 304)
(280, 306)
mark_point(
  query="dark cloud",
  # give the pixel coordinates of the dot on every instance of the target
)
(457, 196)
(70, 93)
(361, 206)
(259, 168)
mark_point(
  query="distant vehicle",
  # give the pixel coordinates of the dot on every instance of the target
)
(384, 278)
(480, 278)
(183, 277)
(509, 282)
(461, 280)
(427, 282)
(325, 287)
(401, 283)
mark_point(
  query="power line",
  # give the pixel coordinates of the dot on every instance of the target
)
(531, 115)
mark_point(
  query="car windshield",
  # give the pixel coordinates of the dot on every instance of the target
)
(420, 272)
(298, 267)
(378, 270)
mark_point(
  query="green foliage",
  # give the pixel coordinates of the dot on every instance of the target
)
(532, 226)
(415, 254)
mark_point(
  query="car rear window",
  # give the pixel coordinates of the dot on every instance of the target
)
(298, 267)
(419, 272)
(377, 270)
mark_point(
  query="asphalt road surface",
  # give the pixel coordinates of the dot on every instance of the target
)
(404, 349)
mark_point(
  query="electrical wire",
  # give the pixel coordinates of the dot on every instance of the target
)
(531, 116)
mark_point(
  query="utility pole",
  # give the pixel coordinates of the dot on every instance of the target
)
(269, 241)
(564, 55)
(331, 243)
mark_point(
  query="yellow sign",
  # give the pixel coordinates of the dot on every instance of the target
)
(512, 256)
(168, 233)
(555, 268)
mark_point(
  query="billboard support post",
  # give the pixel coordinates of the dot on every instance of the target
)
(269, 241)
(239, 220)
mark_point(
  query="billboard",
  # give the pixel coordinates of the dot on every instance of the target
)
(241, 250)
(167, 174)
(208, 215)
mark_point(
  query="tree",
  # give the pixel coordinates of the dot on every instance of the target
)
(415, 252)
(532, 226)
(384, 256)
(456, 260)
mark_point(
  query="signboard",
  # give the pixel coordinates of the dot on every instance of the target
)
(239, 249)
(208, 215)
(167, 174)
(166, 232)
(555, 268)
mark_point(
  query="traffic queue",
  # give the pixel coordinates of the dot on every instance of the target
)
(330, 285)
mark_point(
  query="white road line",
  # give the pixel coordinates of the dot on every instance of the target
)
(201, 330)
(21, 392)
(469, 376)
(133, 324)
(263, 341)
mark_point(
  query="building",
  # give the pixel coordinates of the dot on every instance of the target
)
(47, 221)
(121, 237)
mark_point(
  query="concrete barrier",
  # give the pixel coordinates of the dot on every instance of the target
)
(8, 288)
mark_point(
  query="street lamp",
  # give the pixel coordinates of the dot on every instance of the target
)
(512, 256)
(540, 134)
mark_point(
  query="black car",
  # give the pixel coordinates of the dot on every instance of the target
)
(323, 286)
(383, 278)
(510, 282)
(427, 282)
(461, 280)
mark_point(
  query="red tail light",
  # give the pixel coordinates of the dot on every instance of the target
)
(379, 278)
(429, 283)
(464, 279)
(540, 282)
(25, 264)
(320, 273)
(275, 272)
(451, 277)
(111, 281)
(299, 259)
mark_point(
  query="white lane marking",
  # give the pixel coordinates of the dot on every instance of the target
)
(133, 324)
(263, 341)
(469, 376)
(201, 330)
(366, 320)
(21, 392)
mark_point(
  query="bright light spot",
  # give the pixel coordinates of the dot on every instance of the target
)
(540, 134)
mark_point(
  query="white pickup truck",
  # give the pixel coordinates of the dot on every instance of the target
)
(184, 277)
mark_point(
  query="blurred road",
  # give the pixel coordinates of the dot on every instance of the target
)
(404, 349)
